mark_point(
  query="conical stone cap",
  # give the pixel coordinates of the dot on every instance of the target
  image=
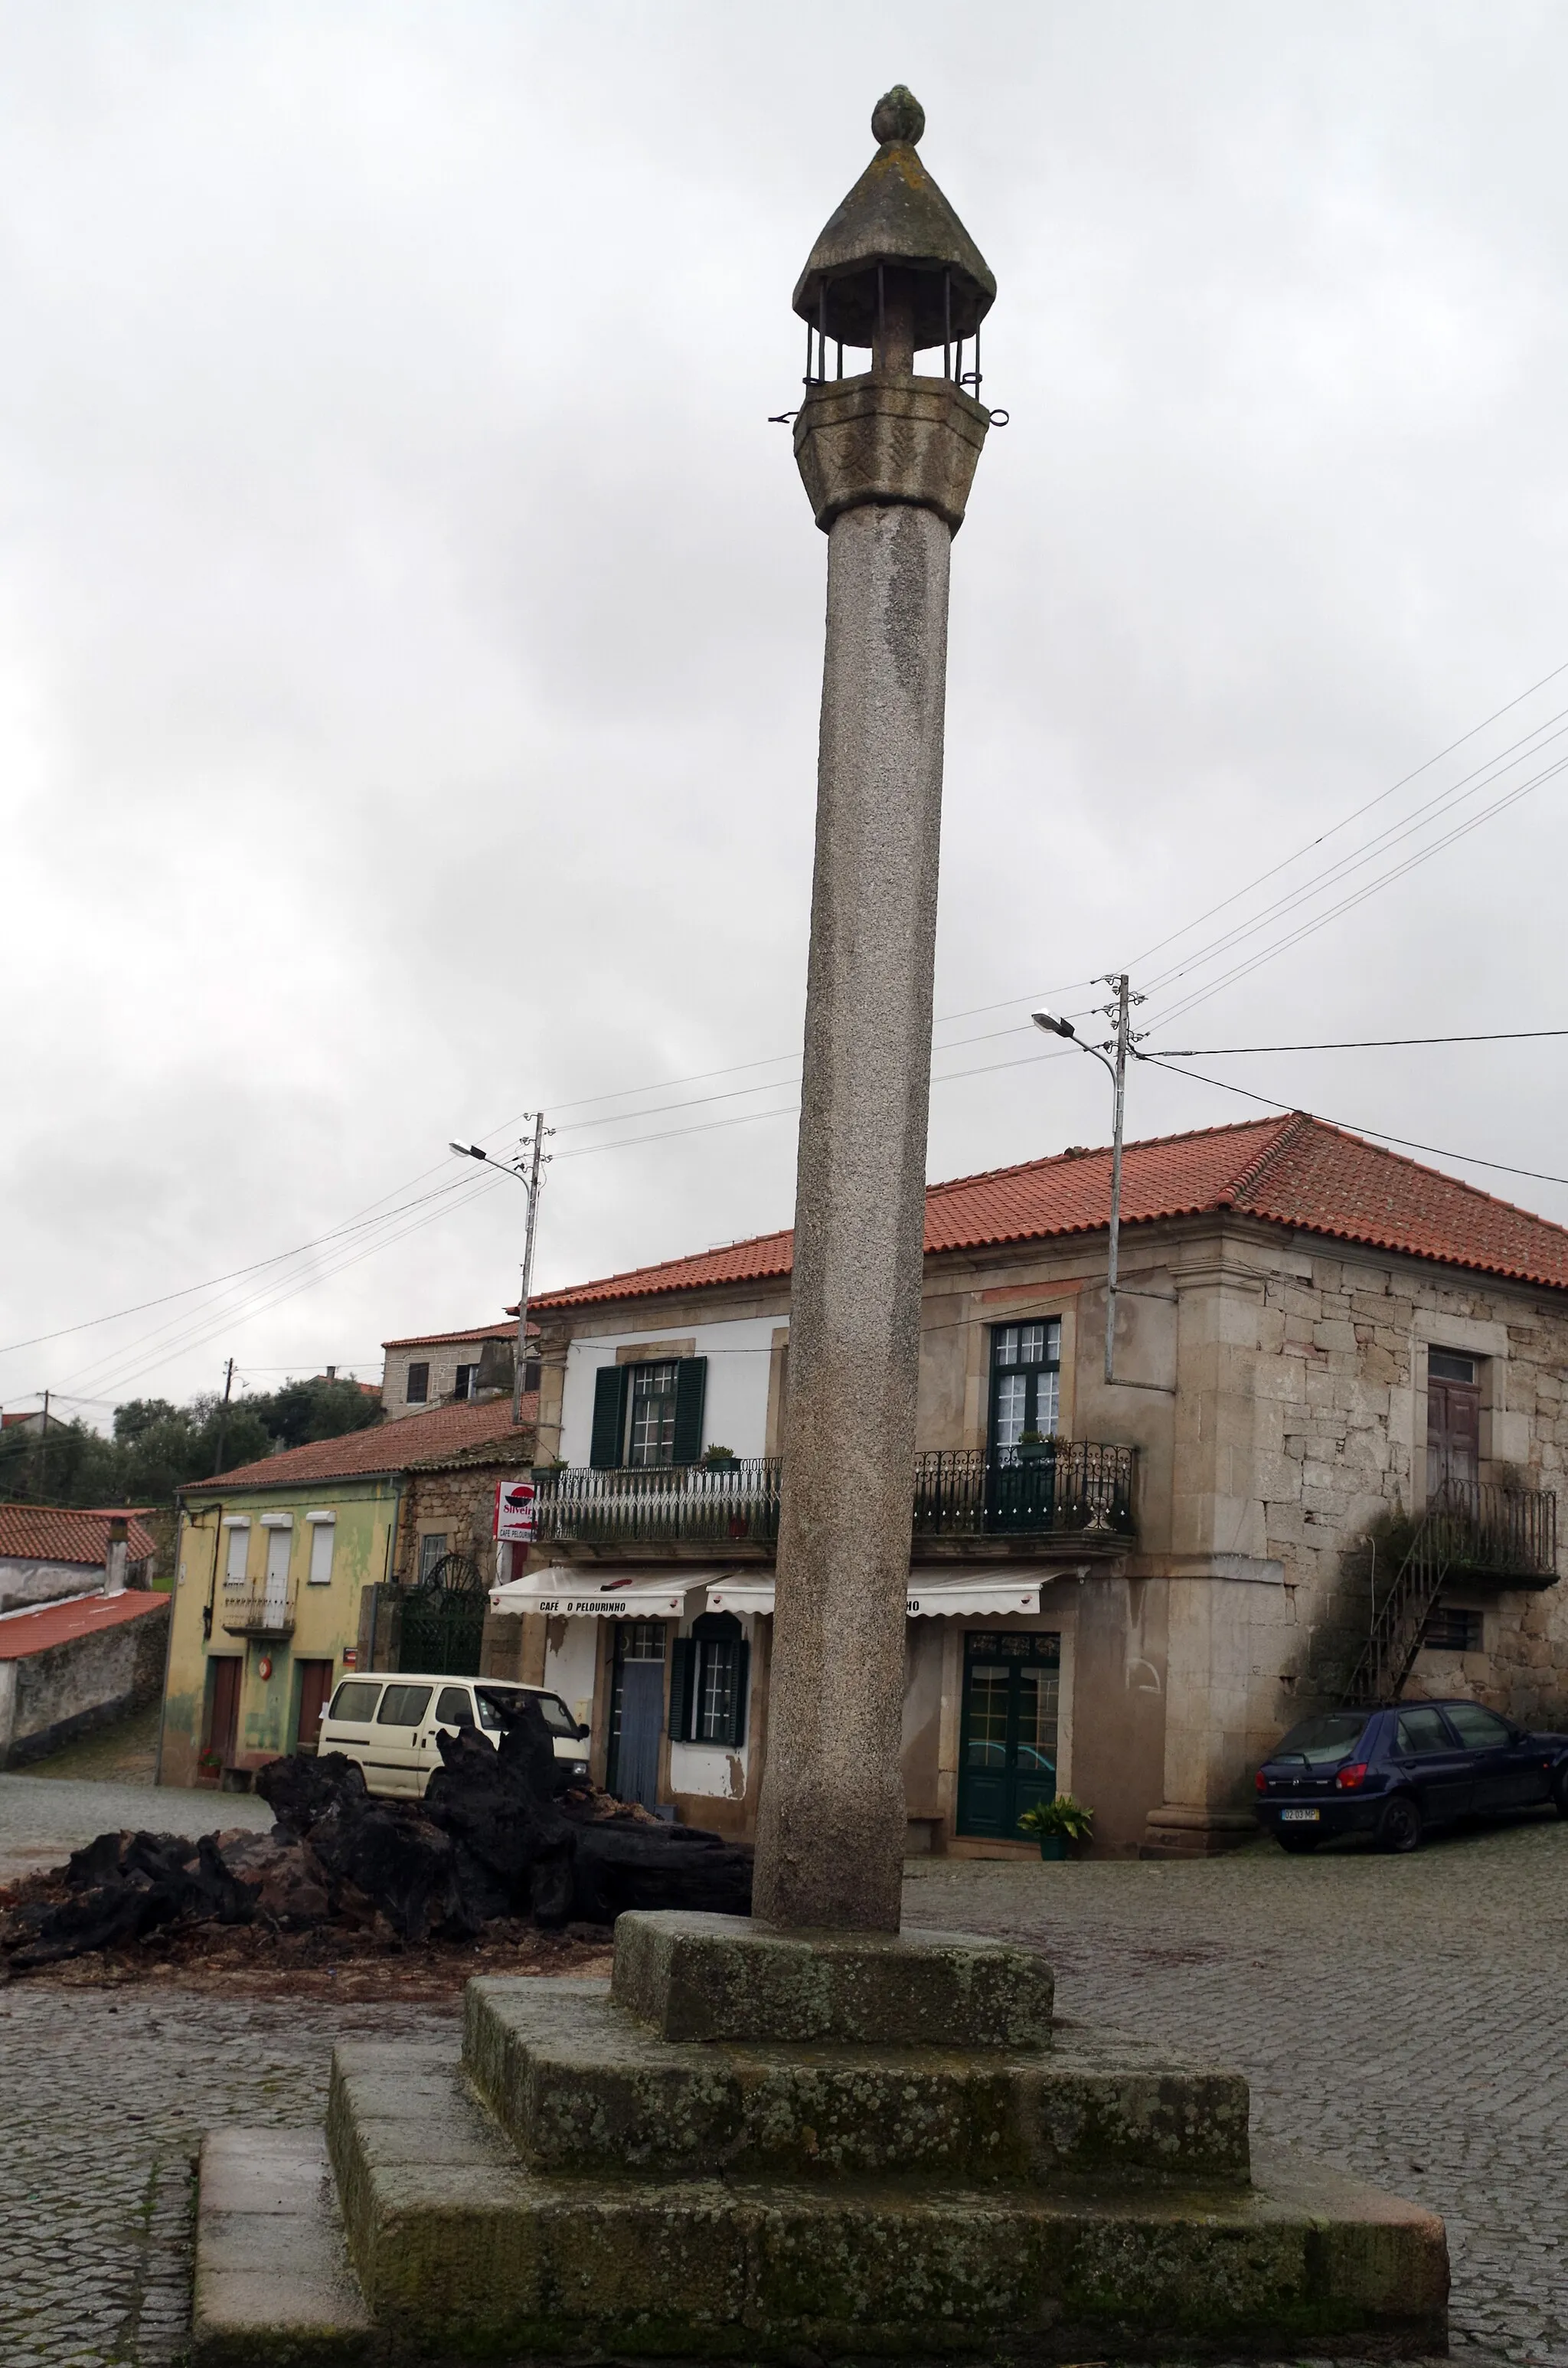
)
(895, 215)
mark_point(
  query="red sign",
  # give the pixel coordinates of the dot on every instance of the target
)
(515, 1512)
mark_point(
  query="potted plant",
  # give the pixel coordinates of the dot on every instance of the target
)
(1054, 1824)
(1032, 1445)
(717, 1456)
(209, 1765)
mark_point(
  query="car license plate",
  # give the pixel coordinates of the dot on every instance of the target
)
(1298, 1816)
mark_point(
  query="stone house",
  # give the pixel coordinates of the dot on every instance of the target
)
(434, 1369)
(1126, 1591)
(82, 1637)
(370, 1550)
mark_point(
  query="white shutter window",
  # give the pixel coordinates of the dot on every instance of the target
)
(239, 1547)
(322, 1536)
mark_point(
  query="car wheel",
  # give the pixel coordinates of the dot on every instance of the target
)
(1399, 1827)
(1299, 1845)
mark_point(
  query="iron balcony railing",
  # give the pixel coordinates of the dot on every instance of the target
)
(1071, 1488)
(258, 1613)
(1510, 1533)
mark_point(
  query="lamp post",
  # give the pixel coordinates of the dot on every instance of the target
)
(887, 456)
(1113, 1060)
(538, 1160)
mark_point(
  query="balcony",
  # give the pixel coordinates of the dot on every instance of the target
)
(1483, 1531)
(964, 1502)
(267, 1612)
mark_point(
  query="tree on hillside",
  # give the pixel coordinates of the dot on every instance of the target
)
(158, 1446)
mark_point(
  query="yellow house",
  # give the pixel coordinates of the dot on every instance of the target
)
(293, 1569)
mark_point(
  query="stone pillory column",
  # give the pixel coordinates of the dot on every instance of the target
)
(887, 458)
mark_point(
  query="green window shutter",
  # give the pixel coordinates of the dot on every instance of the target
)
(609, 1415)
(737, 1734)
(691, 1385)
(683, 1679)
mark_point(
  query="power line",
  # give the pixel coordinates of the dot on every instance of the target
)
(1347, 903)
(354, 1224)
(1444, 800)
(1354, 1126)
(1344, 824)
(1356, 1043)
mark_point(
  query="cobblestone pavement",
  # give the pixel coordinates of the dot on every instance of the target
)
(44, 1818)
(1404, 2017)
(106, 2097)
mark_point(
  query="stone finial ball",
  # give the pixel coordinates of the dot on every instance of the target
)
(898, 119)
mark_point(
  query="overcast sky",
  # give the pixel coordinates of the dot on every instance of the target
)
(410, 624)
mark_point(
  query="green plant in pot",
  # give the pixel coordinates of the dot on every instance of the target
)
(718, 1458)
(1054, 1824)
(1032, 1445)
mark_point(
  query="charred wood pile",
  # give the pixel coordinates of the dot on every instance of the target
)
(493, 1837)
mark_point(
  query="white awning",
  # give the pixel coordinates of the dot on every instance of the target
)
(961, 1597)
(943, 1598)
(742, 1595)
(567, 1594)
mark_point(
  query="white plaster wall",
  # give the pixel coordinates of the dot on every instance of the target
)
(25, 1581)
(735, 1406)
(571, 1658)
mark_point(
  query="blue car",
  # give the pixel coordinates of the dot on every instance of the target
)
(1394, 1771)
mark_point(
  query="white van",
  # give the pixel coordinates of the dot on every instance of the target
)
(389, 1725)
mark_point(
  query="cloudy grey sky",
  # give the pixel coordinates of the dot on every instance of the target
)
(410, 625)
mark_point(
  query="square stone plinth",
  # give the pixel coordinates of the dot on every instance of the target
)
(730, 1977)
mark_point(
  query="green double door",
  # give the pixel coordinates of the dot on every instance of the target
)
(1012, 1688)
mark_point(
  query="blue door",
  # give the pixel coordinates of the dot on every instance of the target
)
(636, 1711)
(1008, 1734)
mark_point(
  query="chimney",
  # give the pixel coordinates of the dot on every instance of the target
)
(114, 1558)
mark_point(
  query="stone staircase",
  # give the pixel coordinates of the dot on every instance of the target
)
(717, 2156)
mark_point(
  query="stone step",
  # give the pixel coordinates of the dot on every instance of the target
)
(461, 2250)
(582, 2088)
(272, 2282)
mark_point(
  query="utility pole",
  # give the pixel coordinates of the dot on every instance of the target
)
(1112, 1058)
(43, 1453)
(1118, 981)
(223, 1416)
(535, 1164)
(531, 1182)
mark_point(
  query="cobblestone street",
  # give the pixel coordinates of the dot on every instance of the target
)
(1404, 2017)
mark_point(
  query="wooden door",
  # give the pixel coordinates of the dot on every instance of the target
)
(223, 1706)
(315, 1692)
(1453, 1434)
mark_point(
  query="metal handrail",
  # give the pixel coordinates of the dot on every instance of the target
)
(1469, 1525)
(1075, 1487)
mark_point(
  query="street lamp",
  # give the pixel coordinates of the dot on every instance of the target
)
(1117, 1067)
(530, 1184)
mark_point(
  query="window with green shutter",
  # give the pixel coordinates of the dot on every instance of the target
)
(648, 1416)
(609, 1415)
(711, 1682)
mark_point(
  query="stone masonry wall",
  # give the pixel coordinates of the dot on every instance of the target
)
(1341, 1429)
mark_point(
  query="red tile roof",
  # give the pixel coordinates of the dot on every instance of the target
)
(24, 1633)
(1294, 1169)
(58, 1533)
(474, 1332)
(440, 1435)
